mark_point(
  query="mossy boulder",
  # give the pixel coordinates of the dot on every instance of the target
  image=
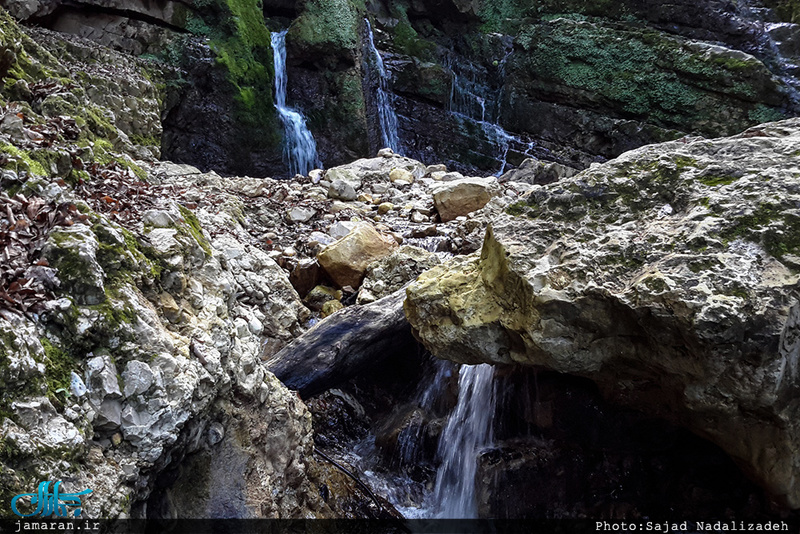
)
(668, 276)
(73, 252)
(426, 80)
(329, 29)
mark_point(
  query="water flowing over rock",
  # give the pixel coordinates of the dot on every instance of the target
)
(668, 276)
(386, 114)
(300, 149)
(468, 429)
(640, 317)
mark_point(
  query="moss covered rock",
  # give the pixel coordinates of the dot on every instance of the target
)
(629, 72)
(668, 276)
(328, 28)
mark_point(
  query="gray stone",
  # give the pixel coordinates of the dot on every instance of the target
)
(159, 218)
(108, 416)
(300, 214)
(137, 378)
(101, 378)
(342, 228)
(342, 190)
(534, 171)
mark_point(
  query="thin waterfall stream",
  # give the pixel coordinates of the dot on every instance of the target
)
(468, 430)
(387, 117)
(300, 149)
(471, 100)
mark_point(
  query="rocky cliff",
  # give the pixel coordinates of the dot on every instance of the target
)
(474, 84)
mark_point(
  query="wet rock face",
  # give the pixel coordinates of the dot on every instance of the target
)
(696, 87)
(572, 454)
(667, 276)
(202, 125)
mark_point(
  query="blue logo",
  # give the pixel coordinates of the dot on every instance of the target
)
(47, 503)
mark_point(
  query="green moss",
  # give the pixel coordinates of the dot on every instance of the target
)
(703, 264)
(20, 160)
(242, 44)
(736, 292)
(656, 284)
(762, 113)
(195, 229)
(714, 181)
(145, 140)
(648, 75)
(58, 366)
(408, 42)
(76, 175)
(787, 10)
(327, 26)
(114, 314)
(776, 229)
(31, 62)
(104, 154)
(684, 162)
(517, 208)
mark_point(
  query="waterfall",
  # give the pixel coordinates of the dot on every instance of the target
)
(468, 429)
(473, 101)
(386, 114)
(300, 149)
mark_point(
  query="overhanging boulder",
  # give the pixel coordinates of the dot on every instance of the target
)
(669, 276)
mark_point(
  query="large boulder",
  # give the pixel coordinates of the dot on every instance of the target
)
(347, 259)
(460, 197)
(669, 276)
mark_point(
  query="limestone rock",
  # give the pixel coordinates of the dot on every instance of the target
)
(73, 252)
(533, 171)
(389, 274)
(373, 169)
(347, 259)
(402, 176)
(299, 214)
(341, 229)
(342, 190)
(669, 276)
(460, 197)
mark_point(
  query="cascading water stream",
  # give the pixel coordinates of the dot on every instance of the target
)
(468, 429)
(386, 114)
(300, 149)
(469, 99)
